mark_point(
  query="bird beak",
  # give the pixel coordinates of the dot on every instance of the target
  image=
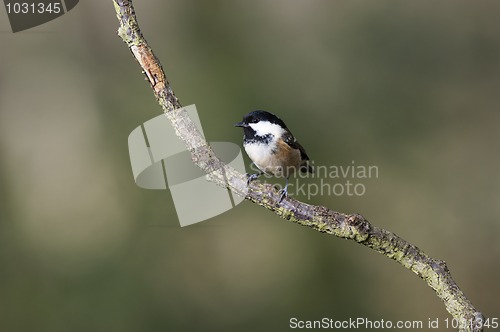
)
(241, 124)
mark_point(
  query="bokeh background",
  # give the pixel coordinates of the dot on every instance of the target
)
(409, 86)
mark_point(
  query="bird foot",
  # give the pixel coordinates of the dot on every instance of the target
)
(283, 193)
(251, 177)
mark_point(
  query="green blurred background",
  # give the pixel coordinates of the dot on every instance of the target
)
(409, 86)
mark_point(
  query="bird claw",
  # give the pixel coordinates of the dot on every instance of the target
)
(252, 177)
(283, 193)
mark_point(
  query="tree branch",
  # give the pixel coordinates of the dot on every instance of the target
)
(349, 226)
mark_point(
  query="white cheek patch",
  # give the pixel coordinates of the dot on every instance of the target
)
(263, 128)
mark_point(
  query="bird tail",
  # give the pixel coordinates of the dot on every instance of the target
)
(306, 168)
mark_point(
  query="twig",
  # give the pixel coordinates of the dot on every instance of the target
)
(349, 226)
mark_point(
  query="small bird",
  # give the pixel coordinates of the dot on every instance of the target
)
(272, 147)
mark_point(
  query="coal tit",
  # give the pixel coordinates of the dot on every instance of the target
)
(272, 147)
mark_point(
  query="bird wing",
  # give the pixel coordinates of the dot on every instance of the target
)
(292, 142)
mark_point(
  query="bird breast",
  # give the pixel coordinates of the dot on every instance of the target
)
(275, 158)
